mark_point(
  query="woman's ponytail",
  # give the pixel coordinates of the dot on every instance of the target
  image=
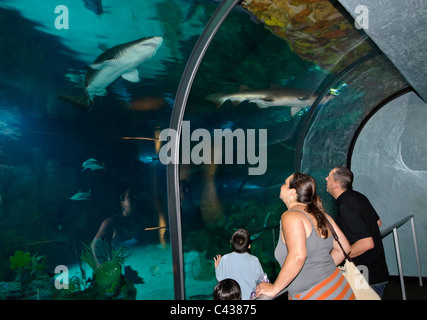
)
(316, 208)
(305, 185)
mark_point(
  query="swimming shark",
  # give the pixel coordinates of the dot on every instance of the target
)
(81, 195)
(275, 96)
(120, 61)
(92, 164)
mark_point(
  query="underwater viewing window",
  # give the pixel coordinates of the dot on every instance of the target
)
(137, 136)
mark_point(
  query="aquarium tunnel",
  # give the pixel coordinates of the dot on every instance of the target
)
(163, 126)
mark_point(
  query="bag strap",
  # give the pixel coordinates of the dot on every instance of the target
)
(334, 234)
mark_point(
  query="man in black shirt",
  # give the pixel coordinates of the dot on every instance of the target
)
(360, 224)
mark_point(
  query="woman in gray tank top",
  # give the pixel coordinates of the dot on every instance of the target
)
(306, 249)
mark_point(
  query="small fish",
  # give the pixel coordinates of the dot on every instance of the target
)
(81, 195)
(257, 235)
(154, 269)
(148, 104)
(337, 91)
(149, 159)
(155, 228)
(129, 242)
(92, 164)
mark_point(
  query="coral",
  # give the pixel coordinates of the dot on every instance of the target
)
(27, 267)
(20, 260)
(314, 29)
(87, 256)
(31, 282)
(38, 263)
(105, 250)
(24, 261)
(108, 275)
(109, 282)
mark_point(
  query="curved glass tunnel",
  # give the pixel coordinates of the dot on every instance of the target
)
(312, 88)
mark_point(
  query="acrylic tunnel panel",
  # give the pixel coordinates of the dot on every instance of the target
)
(392, 145)
(328, 141)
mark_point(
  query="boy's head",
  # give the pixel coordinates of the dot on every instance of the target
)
(227, 289)
(241, 241)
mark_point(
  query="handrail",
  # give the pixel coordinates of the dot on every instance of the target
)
(389, 230)
(393, 228)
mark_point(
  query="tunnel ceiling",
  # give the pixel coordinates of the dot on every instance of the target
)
(399, 28)
(318, 31)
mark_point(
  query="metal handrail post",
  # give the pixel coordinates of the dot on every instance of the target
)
(399, 263)
(416, 252)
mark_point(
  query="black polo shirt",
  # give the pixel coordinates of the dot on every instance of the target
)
(358, 219)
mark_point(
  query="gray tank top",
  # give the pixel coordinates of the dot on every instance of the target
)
(318, 265)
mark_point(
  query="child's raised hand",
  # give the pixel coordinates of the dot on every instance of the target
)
(217, 258)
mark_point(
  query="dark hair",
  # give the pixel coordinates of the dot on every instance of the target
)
(227, 289)
(241, 240)
(344, 176)
(130, 192)
(305, 187)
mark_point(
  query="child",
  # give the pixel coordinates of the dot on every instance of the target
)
(239, 264)
(227, 289)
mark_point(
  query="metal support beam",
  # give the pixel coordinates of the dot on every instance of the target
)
(174, 204)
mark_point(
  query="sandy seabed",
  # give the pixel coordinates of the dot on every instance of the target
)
(154, 265)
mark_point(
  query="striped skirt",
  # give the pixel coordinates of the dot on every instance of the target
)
(335, 287)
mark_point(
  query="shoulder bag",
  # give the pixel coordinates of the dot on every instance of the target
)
(360, 286)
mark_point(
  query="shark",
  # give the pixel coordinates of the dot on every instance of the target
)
(81, 195)
(123, 61)
(92, 164)
(294, 98)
